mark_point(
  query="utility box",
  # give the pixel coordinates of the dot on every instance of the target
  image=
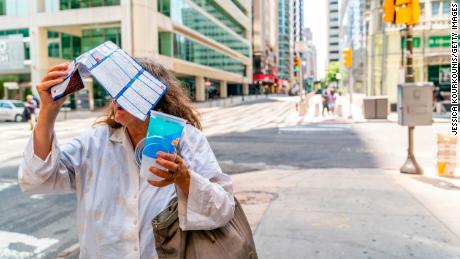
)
(375, 107)
(415, 104)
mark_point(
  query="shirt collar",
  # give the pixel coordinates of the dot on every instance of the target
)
(117, 135)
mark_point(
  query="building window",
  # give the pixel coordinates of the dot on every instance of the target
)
(25, 34)
(94, 37)
(14, 7)
(333, 11)
(435, 9)
(334, 52)
(445, 8)
(187, 15)
(240, 6)
(334, 44)
(63, 45)
(164, 43)
(189, 50)
(334, 27)
(76, 4)
(334, 19)
(54, 44)
(2, 7)
(334, 36)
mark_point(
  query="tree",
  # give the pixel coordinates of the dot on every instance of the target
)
(331, 72)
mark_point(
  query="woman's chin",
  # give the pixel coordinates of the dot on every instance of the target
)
(120, 119)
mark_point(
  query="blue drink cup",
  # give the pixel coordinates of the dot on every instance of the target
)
(163, 134)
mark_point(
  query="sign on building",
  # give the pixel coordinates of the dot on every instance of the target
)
(11, 53)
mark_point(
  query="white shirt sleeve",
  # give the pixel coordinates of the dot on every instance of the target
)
(210, 203)
(55, 174)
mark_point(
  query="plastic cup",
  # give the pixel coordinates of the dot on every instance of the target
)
(163, 134)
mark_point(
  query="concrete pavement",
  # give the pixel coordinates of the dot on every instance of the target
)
(335, 181)
(350, 213)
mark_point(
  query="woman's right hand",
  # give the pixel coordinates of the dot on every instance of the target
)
(55, 75)
(49, 109)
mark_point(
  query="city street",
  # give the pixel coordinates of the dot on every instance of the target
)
(329, 189)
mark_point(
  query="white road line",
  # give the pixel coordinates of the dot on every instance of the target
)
(39, 245)
(7, 183)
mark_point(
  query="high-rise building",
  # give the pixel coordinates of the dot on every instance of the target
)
(299, 44)
(298, 20)
(333, 30)
(285, 46)
(309, 57)
(265, 43)
(353, 35)
(207, 44)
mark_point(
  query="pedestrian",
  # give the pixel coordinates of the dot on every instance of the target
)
(324, 102)
(30, 111)
(438, 101)
(330, 96)
(115, 207)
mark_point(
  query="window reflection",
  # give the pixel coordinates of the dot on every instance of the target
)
(189, 50)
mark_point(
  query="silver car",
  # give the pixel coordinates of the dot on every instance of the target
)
(11, 110)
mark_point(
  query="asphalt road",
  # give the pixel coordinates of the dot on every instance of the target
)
(244, 138)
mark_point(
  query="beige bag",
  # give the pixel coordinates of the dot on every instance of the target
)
(234, 240)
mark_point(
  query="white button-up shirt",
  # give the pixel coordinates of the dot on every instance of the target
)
(115, 206)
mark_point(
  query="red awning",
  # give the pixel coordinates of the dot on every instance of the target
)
(264, 78)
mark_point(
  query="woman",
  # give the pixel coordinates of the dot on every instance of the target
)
(116, 206)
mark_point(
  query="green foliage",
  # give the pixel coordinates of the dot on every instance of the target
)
(332, 71)
(8, 78)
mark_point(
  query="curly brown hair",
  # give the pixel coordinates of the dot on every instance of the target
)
(174, 102)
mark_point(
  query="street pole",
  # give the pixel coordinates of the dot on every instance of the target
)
(410, 166)
(350, 91)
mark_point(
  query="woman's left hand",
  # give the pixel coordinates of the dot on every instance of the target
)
(177, 172)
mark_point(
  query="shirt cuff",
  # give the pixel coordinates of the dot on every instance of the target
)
(35, 162)
(190, 205)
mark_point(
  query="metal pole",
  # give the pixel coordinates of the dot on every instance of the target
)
(410, 166)
(350, 92)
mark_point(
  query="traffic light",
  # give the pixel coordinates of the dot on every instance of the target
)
(348, 58)
(389, 11)
(401, 11)
(297, 63)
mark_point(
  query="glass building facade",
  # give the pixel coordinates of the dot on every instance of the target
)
(75, 4)
(284, 37)
(182, 12)
(192, 51)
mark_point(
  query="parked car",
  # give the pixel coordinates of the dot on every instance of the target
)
(11, 110)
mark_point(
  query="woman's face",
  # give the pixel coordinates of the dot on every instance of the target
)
(125, 118)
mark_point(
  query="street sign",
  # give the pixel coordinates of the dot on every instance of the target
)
(11, 52)
(416, 42)
(439, 41)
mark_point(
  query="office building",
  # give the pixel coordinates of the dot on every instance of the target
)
(207, 44)
(333, 31)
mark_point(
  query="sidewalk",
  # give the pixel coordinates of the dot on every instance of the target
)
(349, 213)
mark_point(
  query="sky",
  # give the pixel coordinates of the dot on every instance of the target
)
(315, 19)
